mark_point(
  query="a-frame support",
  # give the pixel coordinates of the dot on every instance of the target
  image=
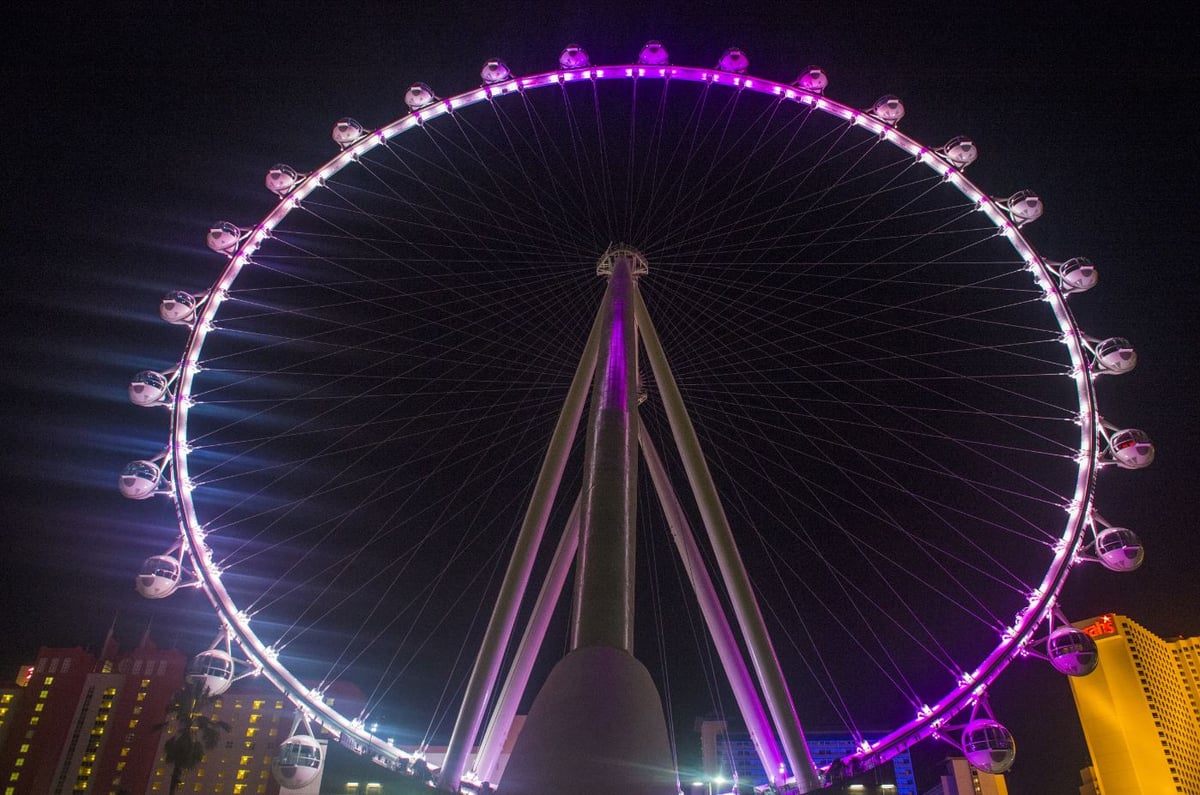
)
(597, 724)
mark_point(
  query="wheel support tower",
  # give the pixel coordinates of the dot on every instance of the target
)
(597, 725)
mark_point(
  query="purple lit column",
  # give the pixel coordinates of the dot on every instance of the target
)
(605, 568)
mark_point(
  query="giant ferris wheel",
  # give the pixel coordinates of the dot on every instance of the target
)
(868, 431)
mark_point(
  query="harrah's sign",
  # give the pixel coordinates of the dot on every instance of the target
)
(1104, 625)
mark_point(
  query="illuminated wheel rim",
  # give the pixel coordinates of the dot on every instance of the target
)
(802, 196)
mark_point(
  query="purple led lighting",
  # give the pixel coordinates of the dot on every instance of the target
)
(615, 377)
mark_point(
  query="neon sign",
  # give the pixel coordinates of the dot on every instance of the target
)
(1104, 625)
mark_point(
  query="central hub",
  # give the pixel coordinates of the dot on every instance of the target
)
(618, 251)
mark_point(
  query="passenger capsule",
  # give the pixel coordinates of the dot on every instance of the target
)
(282, 180)
(1072, 651)
(297, 763)
(1115, 355)
(212, 668)
(1119, 549)
(419, 96)
(147, 388)
(888, 109)
(812, 79)
(654, 54)
(224, 238)
(159, 577)
(346, 132)
(573, 57)
(494, 71)
(733, 60)
(1024, 207)
(959, 152)
(178, 307)
(1131, 448)
(139, 480)
(988, 746)
(1077, 275)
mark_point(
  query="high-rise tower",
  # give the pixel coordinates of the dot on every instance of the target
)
(1139, 710)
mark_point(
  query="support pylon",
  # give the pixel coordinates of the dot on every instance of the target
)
(597, 726)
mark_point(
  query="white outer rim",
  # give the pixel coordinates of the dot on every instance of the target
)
(930, 718)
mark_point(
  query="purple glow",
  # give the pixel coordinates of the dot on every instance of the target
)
(616, 379)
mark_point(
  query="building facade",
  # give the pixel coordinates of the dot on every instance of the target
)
(962, 779)
(258, 719)
(728, 753)
(1138, 709)
(87, 724)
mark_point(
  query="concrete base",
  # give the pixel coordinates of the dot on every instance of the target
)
(596, 728)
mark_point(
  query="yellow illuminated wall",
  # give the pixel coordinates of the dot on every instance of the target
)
(1139, 710)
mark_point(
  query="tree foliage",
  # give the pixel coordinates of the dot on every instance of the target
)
(193, 733)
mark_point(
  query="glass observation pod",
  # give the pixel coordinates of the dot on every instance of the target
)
(159, 577)
(1072, 651)
(148, 388)
(1132, 448)
(988, 746)
(298, 762)
(812, 79)
(282, 179)
(1116, 355)
(139, 480)
(1119, 549)
(346, 132)
(224, 237)
(215, 668)
(1077, 274)
(178, 307)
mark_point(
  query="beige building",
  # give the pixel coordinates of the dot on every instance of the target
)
(962, 779)
(1139, 710)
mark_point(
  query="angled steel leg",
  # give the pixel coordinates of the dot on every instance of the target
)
(516, 578)
(740, 680)
(745, 607)
(515, 683)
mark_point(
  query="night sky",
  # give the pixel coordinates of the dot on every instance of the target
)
(131, 128)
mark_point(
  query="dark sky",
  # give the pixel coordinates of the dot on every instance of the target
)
(132, 127)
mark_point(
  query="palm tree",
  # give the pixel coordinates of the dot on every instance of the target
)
(194, 733)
